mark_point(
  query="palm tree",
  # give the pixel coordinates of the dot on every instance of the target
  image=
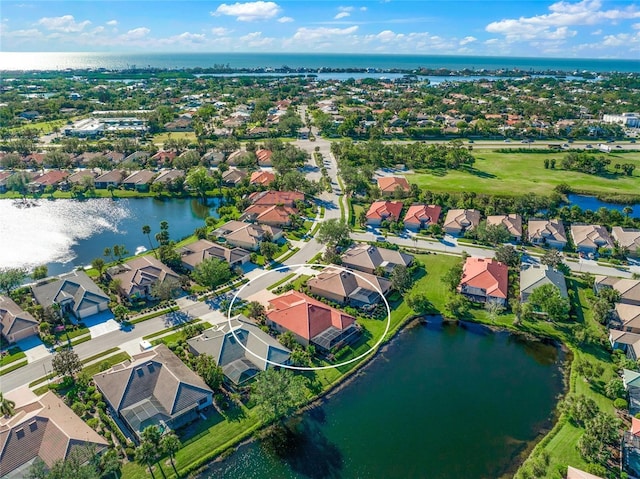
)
(147, 455)
(110, 188)
(6, 406)
(146, 230)
(170, 444)
(98, 264)
(627, 210)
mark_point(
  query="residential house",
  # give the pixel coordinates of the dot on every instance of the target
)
(457, 222)
(179, 124)
(154, 388)
(631, 449)
(262, 177)
(286, 198)
(240, 348)
(344, 287)
(389, 185)
(51, 178)
(627, 342)
(233, 176)
(237, 157)
(629, 289)
(139, 274)
(631, 382)
(163, 157)
(78, 178)
(139, 180)
(137, 157)
(246, 235)
(166, 177)
(110, 178)
(484, 279)
(4, 177)
(573, 473)
(380, 211)
(364, 257)
(627, 238)
(590, 238)
(274, 215)
(193, 254)
(547, 232)
(15, 324)
(513, 223)
(536, 275)
(212, 157)
(311, 321)
(421, 216)
(264, 157)
(43, 428)
(74, 292)
(626, 317)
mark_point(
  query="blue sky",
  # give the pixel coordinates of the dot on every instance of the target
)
(584, 29)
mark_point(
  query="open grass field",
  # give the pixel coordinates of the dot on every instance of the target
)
(522, 173)
(160, 138)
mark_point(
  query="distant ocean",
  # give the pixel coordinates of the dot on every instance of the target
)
(119, 61)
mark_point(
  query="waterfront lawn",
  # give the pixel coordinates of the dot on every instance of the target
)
(507, 173)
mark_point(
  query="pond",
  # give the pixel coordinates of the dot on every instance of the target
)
(442, 401)
(65, 234)
(592, 203)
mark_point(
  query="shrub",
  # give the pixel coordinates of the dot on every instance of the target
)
(620, 404)
(93, 423)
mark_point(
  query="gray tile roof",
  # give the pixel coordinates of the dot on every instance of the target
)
(237, 363)
(76, 286)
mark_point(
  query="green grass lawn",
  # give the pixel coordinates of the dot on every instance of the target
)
(15, 353)
(520, 173)
(160, 138)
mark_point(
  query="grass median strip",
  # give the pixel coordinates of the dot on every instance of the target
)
(283, 280)
(155, 314)
(172, 328)
(15, 354)
(13, 367)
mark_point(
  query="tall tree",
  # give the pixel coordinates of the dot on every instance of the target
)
(552, 258)
(199, 180)
(98, 264)
(39, 272)
(401, 279)
(211, 272)
(11, 278)
(66, 363)
(6, 406)
(333, 232)
(146, 230)
(147, 455)
(277, 393)
(170, 444)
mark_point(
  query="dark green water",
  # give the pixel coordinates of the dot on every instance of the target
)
(441, 402)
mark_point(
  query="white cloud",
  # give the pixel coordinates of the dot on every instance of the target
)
(112, 23)
(185, 38)
(136, 33)
(346, 9)
(220, 31)
(555, 25)
(341, 15)
(249, 12)
(65, 23)
(597, 32)
(467, 40)
(322, 33)
(256, 40)
(285, 20)
(363, 9)
(636, 26)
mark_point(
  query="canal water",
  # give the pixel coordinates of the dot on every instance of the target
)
(594, 204)
(65, 234)
(441, 402)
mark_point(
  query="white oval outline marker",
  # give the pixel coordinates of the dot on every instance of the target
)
(311, 368)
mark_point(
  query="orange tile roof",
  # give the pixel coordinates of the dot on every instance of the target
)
(487, 274)
(422, 213)
(305, 316)
(635, 426)
(385, 209)
(388, 184)
(271, 214)
(275, 197)
(262, 178)
(263, 155)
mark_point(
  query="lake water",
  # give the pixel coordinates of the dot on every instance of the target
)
(65, 234)
(592, 203)
(442, 402)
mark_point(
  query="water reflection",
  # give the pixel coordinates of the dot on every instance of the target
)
(305, 449)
